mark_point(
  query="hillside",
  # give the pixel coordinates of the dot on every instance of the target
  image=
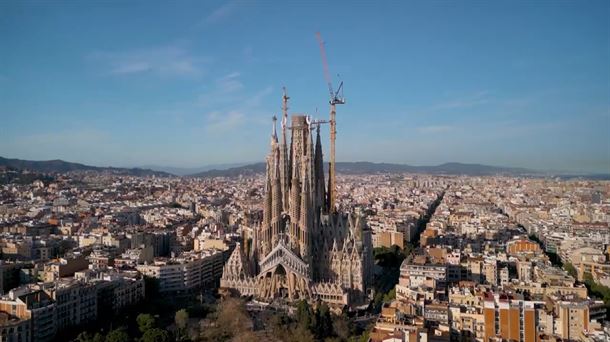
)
(369, 168)
(60, 166)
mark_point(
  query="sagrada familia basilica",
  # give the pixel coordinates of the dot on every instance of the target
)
(303, 248)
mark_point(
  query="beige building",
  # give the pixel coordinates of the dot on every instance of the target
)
(388, 238)
(14, 329)
(572, 320)
(64, 267)
(33, 305)
(191, 271)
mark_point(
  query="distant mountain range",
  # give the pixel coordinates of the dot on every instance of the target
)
(60, 166)
(368, 168)
(184, 171)
(234, 170)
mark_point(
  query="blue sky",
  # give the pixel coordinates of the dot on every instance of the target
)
(186, 84)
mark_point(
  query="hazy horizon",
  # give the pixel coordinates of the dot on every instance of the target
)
(223, 166)
(191, 84)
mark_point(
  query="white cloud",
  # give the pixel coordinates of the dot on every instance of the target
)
(221, 13)
(131, 67)
(468, 101)
(161, 61)
(219, 121)
(257, 99)
(230, 83)
(230, 105)
(434, 129)
(229, 90)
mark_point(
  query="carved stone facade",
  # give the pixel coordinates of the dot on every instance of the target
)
(302, 249)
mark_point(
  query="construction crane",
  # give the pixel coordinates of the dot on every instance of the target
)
(336, 98)
(317, 123)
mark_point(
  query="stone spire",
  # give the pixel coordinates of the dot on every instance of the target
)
(277, 208)
(268, 200)
(268, 227)
(310, 163)
(255, 253)
(320, 192)
(274, 132)
(284, 161)
(305, 212)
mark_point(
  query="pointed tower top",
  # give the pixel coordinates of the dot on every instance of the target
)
(285, 99)
(274, 131)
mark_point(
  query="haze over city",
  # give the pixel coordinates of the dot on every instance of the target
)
(188, 84)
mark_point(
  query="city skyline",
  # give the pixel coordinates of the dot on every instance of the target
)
(196, 84)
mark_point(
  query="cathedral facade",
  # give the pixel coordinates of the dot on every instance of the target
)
(302, 248)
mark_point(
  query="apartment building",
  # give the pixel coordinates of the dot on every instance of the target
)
(189, 272)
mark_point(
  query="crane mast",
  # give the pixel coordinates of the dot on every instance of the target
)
(335, 99)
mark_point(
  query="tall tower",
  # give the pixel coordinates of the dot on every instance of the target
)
(320, 191)
(269, 210)
(284, 161)
(331, 166)
(277, 224)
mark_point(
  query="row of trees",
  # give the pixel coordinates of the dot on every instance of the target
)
(230, 321)
(595, 289)
(148, 331)
(311, 324)
(318, 321)
(599, 291)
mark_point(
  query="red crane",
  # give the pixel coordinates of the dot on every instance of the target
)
(335, 97)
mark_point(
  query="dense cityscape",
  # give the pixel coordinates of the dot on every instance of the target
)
(92, 256)
(484, 257)
(158, 183)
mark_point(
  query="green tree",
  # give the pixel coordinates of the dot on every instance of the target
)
(98, 337)
(182, 319)
(155, 335)
(302, 334)
(571, 269)
(408, 249)
(145, 322)
(279, 320)
(324, 323)
(233, 322)
(390, 296)
(388, 257)
(377, 302)
(588, 277)
(342, 326)
(84, 337)
(365, 336)
(118, 335)
(304, 314)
